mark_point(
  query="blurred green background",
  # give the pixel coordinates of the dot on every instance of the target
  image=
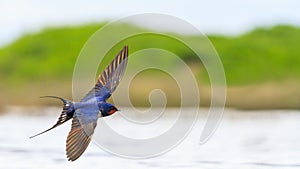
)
(262, 66)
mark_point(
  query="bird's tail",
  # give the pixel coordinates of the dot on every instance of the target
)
(66, 114)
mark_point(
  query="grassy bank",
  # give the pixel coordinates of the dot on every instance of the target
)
(262, 66)
(283, 95)
(262, 55)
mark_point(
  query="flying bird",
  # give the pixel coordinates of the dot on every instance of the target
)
(84, 114)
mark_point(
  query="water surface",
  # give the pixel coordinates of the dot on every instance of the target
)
(244, 140)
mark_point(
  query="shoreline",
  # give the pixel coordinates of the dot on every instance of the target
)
(266, 96)
(46, 110)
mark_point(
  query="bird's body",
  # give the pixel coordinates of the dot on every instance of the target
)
(84, 114)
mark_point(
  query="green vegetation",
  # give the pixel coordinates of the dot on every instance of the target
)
(262, 56)
(50, 53)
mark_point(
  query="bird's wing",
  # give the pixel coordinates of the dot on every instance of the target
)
(83, 125)
(110, 78)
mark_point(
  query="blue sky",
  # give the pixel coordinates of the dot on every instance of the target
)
(210, 16)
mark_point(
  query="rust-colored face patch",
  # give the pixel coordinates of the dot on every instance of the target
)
(112, 111)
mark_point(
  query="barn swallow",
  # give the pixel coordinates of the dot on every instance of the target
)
(84, 114)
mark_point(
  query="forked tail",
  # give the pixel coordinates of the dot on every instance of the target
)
(66, 114)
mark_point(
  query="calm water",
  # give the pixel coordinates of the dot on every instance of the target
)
(244, 140)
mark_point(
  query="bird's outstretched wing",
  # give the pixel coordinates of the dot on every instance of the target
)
(110, 78)
(83, 125)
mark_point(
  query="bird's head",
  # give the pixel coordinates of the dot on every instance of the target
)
(108, 109)
(112, 110)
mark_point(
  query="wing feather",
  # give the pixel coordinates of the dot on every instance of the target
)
(80, 135)
(110, 78)
(112, 75)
